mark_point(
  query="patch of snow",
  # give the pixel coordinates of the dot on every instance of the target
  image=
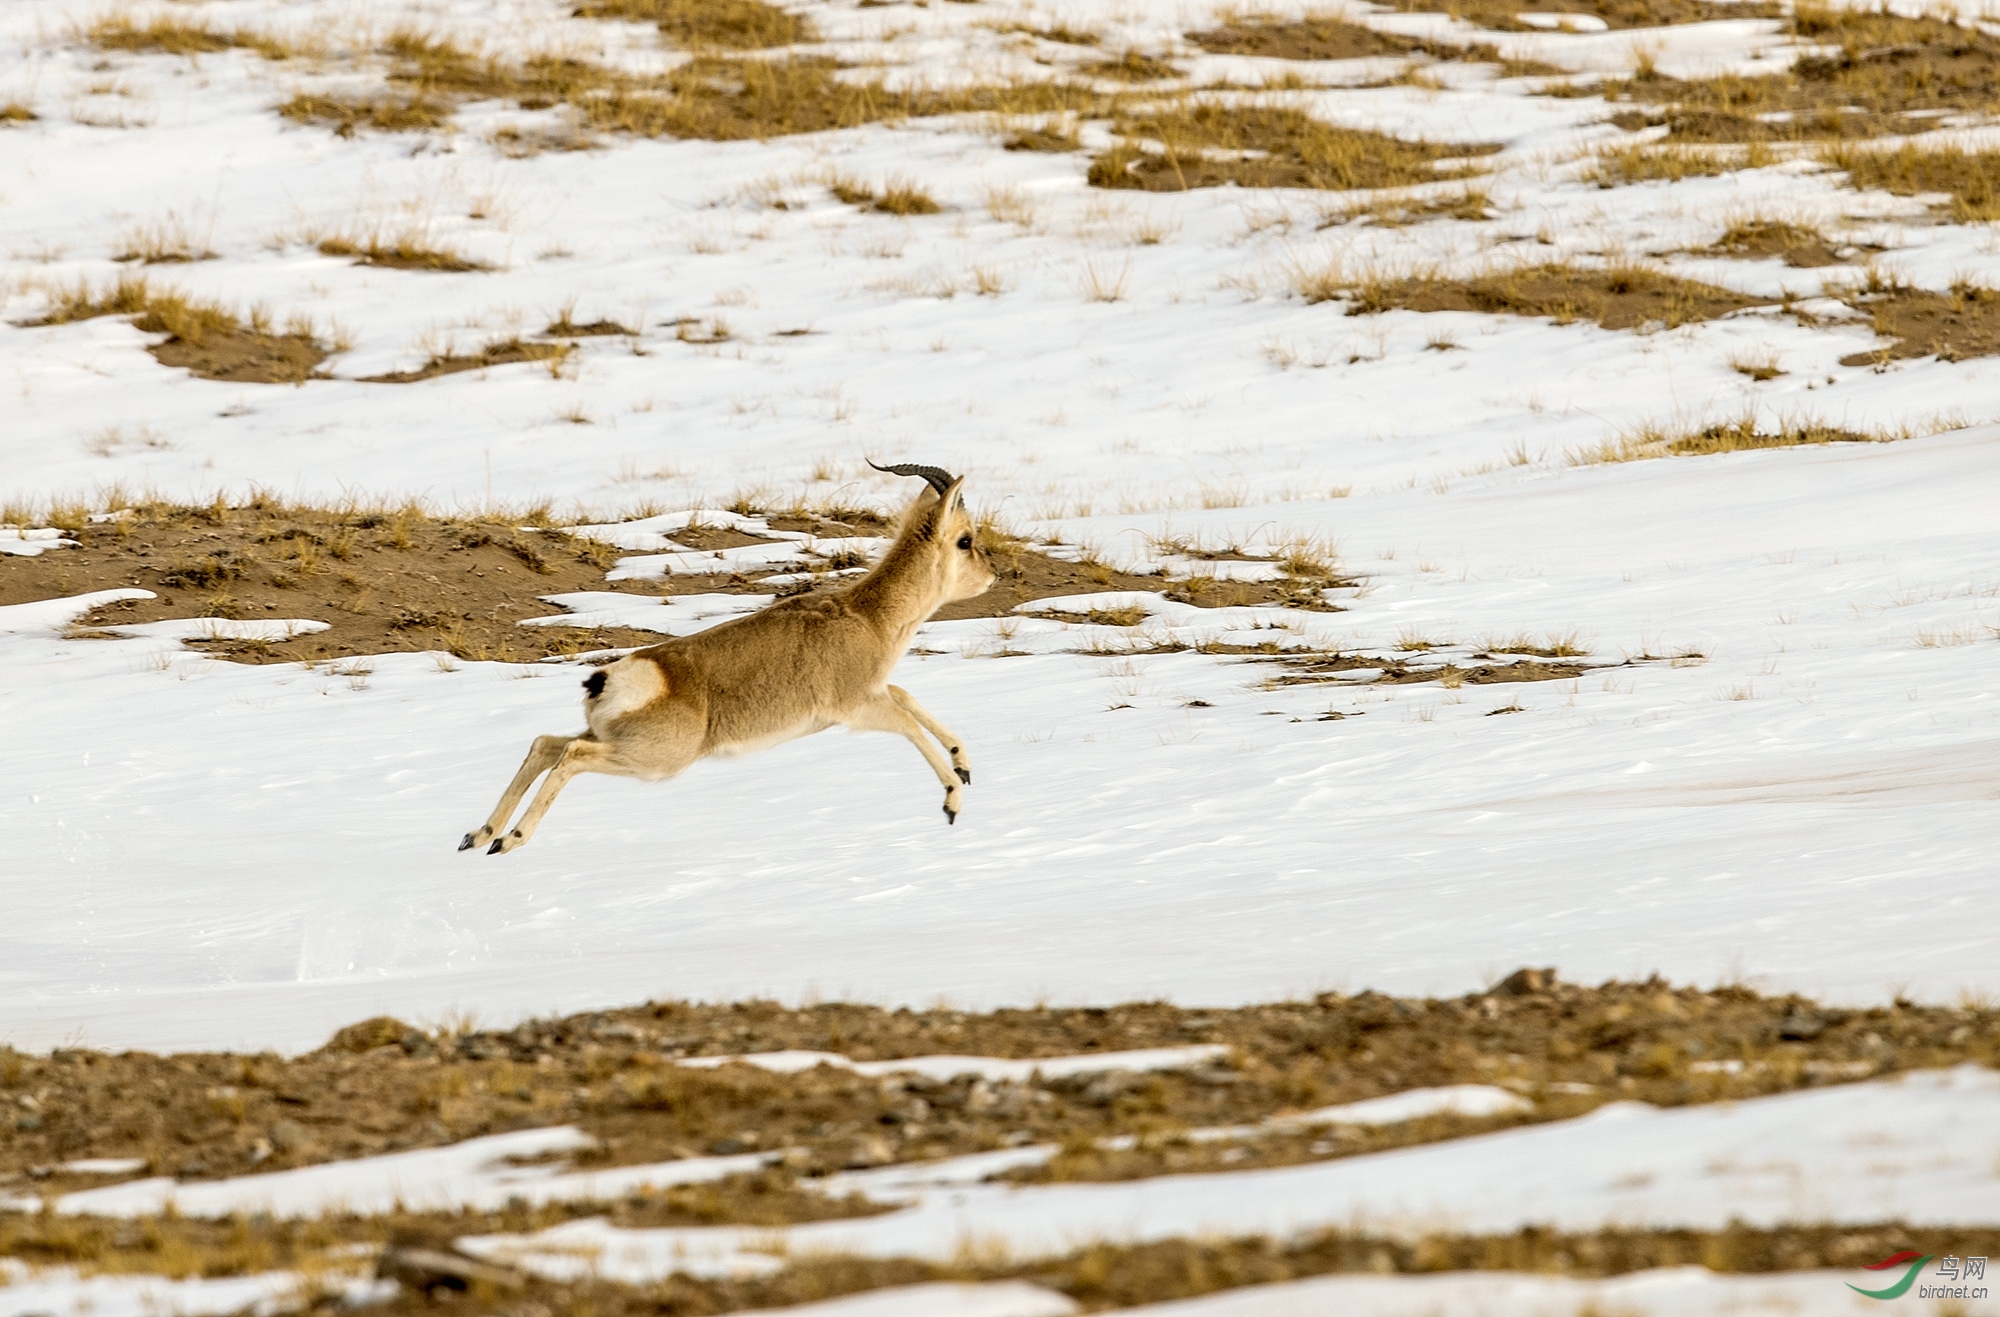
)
(54, 614)
(477, 1174)
(1927, 1159)
(105, 1165)
(1665, 1292)
(1450, 1100)
(1007, 1298)
(31, 543)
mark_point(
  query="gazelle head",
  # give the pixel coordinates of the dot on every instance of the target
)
(938, 527)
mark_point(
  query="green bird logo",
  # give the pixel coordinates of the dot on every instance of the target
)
(1916, 1263)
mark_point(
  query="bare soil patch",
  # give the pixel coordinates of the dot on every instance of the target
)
(204, 338)
(1210, 144)
(1042, 139)
(399, 253)
(1024, 574)
(389, 580)
(1616, 296)
(1317, 37)
(1954, 325)
(1503, 15)
(1395, 212)
(1890, 75)
(382, 1085)
(1322, 669)
(1760, 239)
(504, 353)
(564, 327)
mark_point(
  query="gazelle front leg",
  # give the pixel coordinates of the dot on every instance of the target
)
(542, 756)
(579, 756)
(950, 739)
(884, 713)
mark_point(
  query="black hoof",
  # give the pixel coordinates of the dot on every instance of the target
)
(964, 775)
(494, 849)
(468, 843)
(950, 815)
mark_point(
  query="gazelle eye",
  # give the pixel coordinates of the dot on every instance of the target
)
(965, 541)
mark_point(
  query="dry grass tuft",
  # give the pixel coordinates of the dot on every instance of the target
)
(898, 196)
(1211, 144)
(1760, 366)
(1741, 435)
(16, 112)
(1061, 33)
(168, 241)
(1643, 163)
(1131, 66)
(204, 338)
(1051, 140)
(350, 114)
(1620, 296)
(407, 250)
(708, 24)
(1970, 178)
(173, 36)
(1397, 211)
(565, 326)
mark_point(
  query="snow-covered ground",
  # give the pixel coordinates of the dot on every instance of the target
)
(1786, 773)
(207, 854)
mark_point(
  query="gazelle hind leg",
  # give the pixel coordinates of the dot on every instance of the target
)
(885, 713)
(542, 756)
(579, 756)
(950, 739)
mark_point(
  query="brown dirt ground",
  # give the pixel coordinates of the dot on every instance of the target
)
(493, 354)
(243, 356)
(1099, 1276)
(1890, 75)
(1501, 14)
(381, 1086)
(398, 580)
(1325, 669)
(1618, 297)
(1313, 38)
(1799, 247)
(1952, 326)
(202, 337)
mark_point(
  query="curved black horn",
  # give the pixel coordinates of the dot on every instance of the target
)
(939, 479)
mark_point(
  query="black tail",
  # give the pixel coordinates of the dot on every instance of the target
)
(594, 683)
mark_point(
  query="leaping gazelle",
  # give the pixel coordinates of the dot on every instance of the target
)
(799, 666)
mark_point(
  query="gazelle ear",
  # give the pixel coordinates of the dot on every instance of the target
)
(953, 498)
